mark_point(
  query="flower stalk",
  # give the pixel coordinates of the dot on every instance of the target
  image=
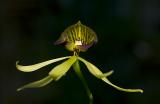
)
(77, 70)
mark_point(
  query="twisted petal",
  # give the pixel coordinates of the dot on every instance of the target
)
(121, 89)
(105, 74)
(36, 84)
(94, 70)
(60, 70)
(97, 73)
(34, 67)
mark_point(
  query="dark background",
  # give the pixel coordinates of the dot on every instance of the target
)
(129, 43)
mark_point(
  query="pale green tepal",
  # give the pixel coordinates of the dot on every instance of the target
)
(77, 38)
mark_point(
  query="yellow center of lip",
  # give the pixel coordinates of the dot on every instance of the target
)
(78, 42)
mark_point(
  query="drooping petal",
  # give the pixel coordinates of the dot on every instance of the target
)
(121, 89)
(77, 69)
(96, 72)
(60, 70)
(36, 84)
(34, 67)
(106, 74)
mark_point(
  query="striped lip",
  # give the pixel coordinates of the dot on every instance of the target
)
(78, 36)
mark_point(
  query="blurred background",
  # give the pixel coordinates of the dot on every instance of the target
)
(129, 43)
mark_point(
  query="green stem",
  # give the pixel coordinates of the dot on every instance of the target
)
(76, 68)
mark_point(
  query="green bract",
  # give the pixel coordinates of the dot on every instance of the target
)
(78, 38)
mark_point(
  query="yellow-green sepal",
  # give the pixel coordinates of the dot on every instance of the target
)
(36, 84)
(35, 67)
(60, 70)
(94, 70)
(97, 73)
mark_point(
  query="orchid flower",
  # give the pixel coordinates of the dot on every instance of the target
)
(77, 38)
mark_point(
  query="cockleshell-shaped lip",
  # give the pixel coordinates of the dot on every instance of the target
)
(78, 36)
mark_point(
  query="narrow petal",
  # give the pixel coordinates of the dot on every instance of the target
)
(97, 73)
(94, 70)
(60, 70)
(106, 74)
(34, 67)
(36, 84)
(121, 89)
